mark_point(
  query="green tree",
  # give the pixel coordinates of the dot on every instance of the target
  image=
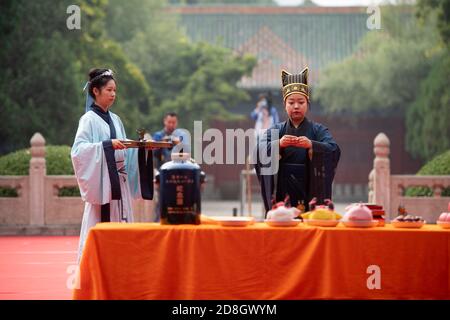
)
(428, 118)
(253, 2)
(402, 69)
(206, 88)
(197, 80)
(442, 9)
(44, 66)
(39, 73)
(384, 73)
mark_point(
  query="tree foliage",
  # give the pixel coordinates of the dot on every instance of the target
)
(442, 9)
(206, 2)
(57, 161)
(402, 69)
(44, 67)
(384, 73)
(428, 118)
(196, 80)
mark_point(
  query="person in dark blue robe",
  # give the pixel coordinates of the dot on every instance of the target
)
(298, 157)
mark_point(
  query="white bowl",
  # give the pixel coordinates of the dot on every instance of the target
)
(286, 223)
(408, 224)
(444, 224)
(360, 223)
(234, 221)
(321, 223)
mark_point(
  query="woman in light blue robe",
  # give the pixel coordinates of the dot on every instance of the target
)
(108, 174)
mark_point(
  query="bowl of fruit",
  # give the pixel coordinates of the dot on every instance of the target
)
(321, 215)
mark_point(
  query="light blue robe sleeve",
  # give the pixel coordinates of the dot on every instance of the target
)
(132, 168)
(89, 163)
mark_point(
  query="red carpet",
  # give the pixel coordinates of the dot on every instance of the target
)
(36, 267)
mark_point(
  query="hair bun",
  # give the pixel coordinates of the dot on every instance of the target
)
(98, 78)
(96, 72)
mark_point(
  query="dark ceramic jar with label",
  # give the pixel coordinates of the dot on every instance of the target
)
(180, 183)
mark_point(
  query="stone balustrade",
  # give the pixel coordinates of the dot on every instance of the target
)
(38, 208)
(389, 190)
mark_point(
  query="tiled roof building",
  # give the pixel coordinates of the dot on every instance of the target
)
(280, 37)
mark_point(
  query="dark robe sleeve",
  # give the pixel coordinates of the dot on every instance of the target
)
(145, 163)
(267, 143)
(325, 157)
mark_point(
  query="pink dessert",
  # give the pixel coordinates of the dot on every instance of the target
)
(444, 217)
(358, 212)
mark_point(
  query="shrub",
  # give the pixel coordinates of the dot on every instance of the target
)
(57, 159)
(58, 162)
(439, 165)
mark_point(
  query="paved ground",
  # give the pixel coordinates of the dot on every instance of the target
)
(36, 268)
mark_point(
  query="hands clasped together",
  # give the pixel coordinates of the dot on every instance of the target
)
(293, 141)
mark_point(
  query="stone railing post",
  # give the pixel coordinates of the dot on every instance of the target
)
(381, 171)
(370, 187)
(36, 179)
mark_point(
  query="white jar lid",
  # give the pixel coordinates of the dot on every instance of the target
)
(180, 156)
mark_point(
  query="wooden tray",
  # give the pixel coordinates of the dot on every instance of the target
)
(147, 144)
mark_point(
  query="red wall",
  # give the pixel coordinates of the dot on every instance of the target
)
(355, 138)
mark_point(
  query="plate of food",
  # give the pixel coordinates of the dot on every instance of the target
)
(234, 221)
(282, 215)
(285, 223)
(321, 215)
(377, 211)
(444, 219)
(405, 220)
(359, 215)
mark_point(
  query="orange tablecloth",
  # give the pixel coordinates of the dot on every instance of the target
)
(150, 261)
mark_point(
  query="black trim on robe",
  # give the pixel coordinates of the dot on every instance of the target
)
(146, 173)
(105, 213)
(116, 193)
